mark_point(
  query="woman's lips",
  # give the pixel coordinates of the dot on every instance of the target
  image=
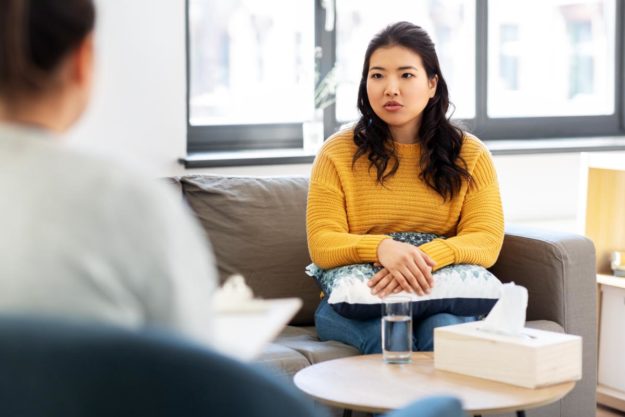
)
(393, 106)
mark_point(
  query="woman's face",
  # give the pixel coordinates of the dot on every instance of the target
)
(398, 87)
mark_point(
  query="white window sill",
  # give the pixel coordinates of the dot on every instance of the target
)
(497, 147)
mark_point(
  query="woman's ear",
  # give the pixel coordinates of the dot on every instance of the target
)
(83, 62)
(78, 80)
(432, 84)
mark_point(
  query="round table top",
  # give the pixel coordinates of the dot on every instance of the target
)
(366, 383)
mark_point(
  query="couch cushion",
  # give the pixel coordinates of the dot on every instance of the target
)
(282, 360)
(547, 325)
(305, 341)
(257, 227)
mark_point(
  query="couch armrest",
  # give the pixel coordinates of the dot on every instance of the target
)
(558, 270)
(174, 183)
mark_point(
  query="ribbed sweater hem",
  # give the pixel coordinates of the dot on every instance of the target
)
(440, 252)
(368, 247)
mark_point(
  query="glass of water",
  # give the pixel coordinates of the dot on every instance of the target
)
(397, 329)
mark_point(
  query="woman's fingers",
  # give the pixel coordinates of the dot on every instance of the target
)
(426, 270)
(380, 281)
(429, 262)
(408, 265)
(418, 278)
(402, 281)
(405, 280)
(408, 280)
(393, 287)
(412, 281)
(388, 283)
(377, 277)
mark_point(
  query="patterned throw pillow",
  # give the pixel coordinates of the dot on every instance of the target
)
(462, 289)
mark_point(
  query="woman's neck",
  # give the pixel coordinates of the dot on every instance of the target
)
(405, 134)
(40, 113)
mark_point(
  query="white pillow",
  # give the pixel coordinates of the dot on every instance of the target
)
(462, 289)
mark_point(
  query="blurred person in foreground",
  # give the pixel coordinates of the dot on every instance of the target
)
(79, 236)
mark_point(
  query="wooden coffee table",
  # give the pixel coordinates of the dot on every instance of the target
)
(366, 383)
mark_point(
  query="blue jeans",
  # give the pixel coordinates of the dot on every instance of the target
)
(366, 335)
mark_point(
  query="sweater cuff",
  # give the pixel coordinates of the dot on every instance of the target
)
(440, 252)
(367, 247)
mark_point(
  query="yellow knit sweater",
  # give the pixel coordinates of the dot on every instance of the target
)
(349, 213)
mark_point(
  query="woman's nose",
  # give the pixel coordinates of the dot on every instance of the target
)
(391, 89)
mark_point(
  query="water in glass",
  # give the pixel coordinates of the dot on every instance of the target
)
(396, 338)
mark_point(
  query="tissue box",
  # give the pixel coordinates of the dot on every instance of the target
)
(533, 359)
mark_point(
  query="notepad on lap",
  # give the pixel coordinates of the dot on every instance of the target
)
(243, 325)
(243, 333)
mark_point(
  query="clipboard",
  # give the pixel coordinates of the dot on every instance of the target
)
(242, 331)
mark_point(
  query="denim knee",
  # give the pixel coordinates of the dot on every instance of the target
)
(364, 335)
(424, 329)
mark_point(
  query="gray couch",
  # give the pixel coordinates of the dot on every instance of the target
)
(257, 228)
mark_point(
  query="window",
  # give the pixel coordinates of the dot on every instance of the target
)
(552, 58)
(250, 63)
(258, 70)
(508, 57)
(250, 72)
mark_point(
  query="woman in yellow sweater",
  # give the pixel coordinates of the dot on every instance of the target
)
(403, 167)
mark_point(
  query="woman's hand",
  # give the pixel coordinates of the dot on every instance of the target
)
(405, 266)
(384, 283)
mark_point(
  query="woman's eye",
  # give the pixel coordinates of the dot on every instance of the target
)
(376, 75)
(407, 75)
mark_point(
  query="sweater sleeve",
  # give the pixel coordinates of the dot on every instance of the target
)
(329, 242)
(480, 230)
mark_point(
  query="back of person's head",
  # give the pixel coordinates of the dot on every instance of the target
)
(35, 38)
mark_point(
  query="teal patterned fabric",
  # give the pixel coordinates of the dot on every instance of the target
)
(461, 289)
(328, 278)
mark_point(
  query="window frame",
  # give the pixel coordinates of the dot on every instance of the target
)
(242, 138)
(549, 127)
(229, 138)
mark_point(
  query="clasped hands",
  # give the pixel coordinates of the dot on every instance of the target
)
(405, 268)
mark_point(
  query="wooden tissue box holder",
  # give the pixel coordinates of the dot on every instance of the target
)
(535, 359)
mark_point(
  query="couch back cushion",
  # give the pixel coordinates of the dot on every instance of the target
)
(257, 227)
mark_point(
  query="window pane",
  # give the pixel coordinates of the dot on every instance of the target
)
(450, 23)
(551, 58)
(251, 61)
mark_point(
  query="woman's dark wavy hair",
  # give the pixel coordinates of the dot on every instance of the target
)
(35, 36)
(442, 167)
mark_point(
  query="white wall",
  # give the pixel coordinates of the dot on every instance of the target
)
(138, 108)
(138, 113)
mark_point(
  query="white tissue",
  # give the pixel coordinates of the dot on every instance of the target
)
(235, 296)
(508, 315)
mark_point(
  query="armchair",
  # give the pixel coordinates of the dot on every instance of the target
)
(54, 368)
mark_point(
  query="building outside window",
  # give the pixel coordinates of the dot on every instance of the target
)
(554, 58)
(250, 64)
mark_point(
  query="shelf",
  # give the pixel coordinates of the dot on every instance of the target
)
(610, 397)
(602, 209)
(611, 280)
